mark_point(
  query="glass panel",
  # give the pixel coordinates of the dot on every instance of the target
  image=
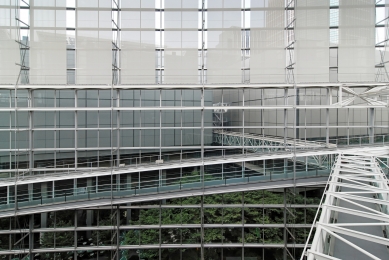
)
(356, 40)
(312, 41)
(224, 59)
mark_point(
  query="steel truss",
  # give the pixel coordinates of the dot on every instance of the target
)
(354, 217)
(370, 96)
(321, 160)
(267, 143)
(382, 72)
(114, 217)
(23, 77)
(253, 142)
(290, 19)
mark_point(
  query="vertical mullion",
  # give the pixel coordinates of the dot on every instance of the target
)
(328, 118)
(202, 227)
(162, 50)
(160, 125)
(160, 230)
(75, 235)
(140, 137)
(202, 41)
(118, 126)
(55, 127)
(202, 128)
(30, 133)
(75, 128)
(242, 224)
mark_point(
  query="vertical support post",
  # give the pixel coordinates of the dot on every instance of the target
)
(243, 134)
(340, 95)
(118, 126)
(75, 187)
(160, 230)
(89, 184)
(30, 191)
(30, 137)
(202, 137)
(44, 214)
(160, 125)
(264, 167)
(285, 116)
(328, 118)
(294, 134)
(8, 194)
(242, 224)
(202, 227)
(89, 217)
(75, 129)
(262, 114)
(329, 92)
(348, 126)
(243, 128)
(31, 236)
(16, 197)
(53, 190)
(371, 117)
(75, 235)
(163, 178)
(285, 232)
(117, 232)
(202, 40)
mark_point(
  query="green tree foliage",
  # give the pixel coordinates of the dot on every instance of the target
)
(220, 216)
(57, 239)
(216, 215)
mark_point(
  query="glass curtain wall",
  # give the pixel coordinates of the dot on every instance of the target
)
(205, 100)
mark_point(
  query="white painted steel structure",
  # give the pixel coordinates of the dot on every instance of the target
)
(354, 216)
(255, 141)
(180, 99)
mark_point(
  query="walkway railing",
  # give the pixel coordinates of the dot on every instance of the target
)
(185, 156)
(193, 180)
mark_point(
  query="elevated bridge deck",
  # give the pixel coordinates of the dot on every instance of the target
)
(354, 219)
(130, 195)
(117, 193)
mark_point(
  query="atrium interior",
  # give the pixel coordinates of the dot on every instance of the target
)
(194, 129)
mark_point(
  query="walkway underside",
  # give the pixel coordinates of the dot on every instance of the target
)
(153, 246)
(354, 220)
